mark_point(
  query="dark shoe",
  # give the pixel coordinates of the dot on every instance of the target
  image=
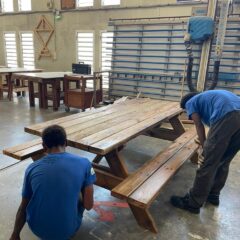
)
(213, 199)
(183, 203)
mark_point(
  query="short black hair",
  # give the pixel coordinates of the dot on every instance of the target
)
(186, 98)
(54, 136)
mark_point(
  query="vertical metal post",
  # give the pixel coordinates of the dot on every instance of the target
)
(206, 49)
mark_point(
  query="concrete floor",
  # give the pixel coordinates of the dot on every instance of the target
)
(213, 223)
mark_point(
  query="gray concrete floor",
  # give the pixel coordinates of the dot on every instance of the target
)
(214, 223)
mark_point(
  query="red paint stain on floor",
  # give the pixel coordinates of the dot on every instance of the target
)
(107, 215)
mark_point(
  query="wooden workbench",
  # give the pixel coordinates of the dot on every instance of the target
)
(43, 79)
(10, 86)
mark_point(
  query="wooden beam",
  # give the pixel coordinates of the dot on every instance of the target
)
(97, 159)
(144, 218)
(106, 180)
(116, 164)
(164, 133)
(177, 125)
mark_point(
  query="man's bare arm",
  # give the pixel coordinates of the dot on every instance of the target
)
(199, 127)
(20, 219)
(88, 197)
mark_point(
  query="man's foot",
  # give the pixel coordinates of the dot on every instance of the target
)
(213, 199)
(183, 203)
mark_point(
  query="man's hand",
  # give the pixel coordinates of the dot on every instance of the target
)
(200, 157)
(197, 141)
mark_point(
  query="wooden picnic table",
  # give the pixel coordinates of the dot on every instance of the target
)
(106, 130)
(43, 79)
(10, 87)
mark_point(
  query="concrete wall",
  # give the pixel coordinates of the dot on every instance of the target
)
(95, 18)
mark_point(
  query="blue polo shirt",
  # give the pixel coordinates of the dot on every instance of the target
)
(53, 185)
(213, 105)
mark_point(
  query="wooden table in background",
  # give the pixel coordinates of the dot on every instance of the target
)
(10, 87)
(106, 130)
(44, 79)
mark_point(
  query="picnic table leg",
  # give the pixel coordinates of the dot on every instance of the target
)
(23, 85)
(40, 94)
(44, 96)
(18, 84)
(143, 218)
(177, 126)
(116, 164)
(56, 89)
(166, 133)
(97, 159)
(31, 94)
(10, 86)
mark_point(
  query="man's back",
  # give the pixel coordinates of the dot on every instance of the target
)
(213, 105)
(54, 184)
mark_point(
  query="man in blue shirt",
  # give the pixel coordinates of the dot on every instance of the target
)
(220, 110)
(56, 190)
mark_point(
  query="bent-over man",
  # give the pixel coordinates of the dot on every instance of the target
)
(220, 110)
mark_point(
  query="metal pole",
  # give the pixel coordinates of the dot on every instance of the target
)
(206, 49)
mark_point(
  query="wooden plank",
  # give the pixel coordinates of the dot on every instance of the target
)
(37, 128)
(130, 119)
(91, 121)
(26, 153)
(148, 191)
(88, 131)
(106, 180)
(23, 146)
(144, 218)
(101, 167)
(177, 125)
(135, 180)
(164, 133)
(116, 164)
(104, 146)
(97, 159)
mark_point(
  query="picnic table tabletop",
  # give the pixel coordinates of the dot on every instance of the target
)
(102, 130)
(41, 75)
(6, 70)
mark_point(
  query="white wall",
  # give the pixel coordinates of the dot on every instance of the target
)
(93, 19)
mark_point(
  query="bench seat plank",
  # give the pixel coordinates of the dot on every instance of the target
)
(26, 150)
(149, 190)
(129, 185)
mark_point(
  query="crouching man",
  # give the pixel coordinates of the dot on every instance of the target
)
(56, 190)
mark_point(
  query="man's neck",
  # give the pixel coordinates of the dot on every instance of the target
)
(56, 150)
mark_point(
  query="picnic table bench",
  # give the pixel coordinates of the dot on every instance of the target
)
(106, 130)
